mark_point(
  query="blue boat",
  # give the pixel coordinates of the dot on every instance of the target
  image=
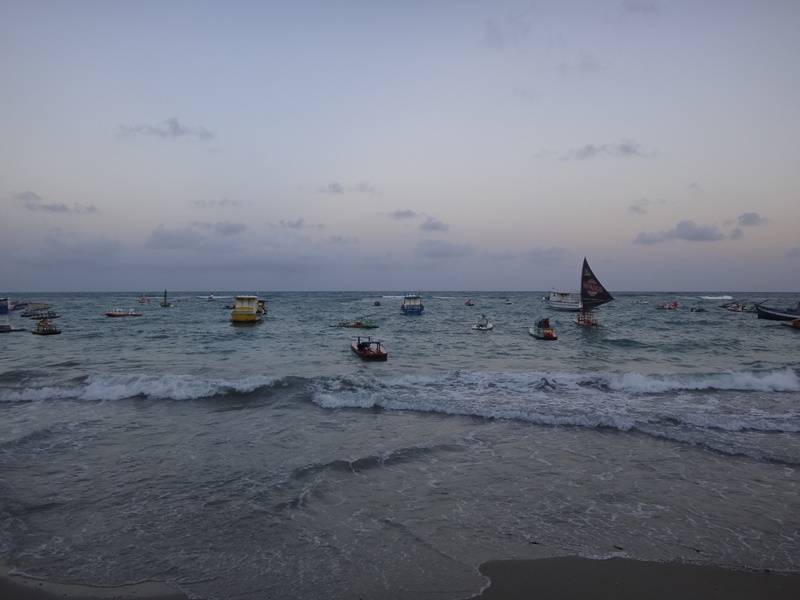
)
(412, 305)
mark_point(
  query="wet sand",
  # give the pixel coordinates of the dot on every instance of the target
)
(17, 587)
(568, 578)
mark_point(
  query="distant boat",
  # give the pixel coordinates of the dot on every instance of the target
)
(369, 349)
(357, 324)
(593, 295)
(412, 305)
(669, 306)
(164, 303)
(772, 314)
(143, 299)
(119, 312)
(483, 324)
(564, 301)
(543, 330)
(376, 303)
(469, 302)
(45, 327)
(245, 311)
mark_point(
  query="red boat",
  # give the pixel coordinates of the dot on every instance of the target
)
(369, 349)
(543, 331)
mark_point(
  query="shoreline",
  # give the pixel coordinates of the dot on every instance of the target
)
(21, 587)
(575, 578)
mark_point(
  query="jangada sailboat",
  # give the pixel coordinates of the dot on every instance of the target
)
(593, 294)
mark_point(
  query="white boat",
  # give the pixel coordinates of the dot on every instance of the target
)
(564, 301)
(246, 310)
(483, 324)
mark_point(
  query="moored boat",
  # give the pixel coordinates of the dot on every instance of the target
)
(412, 305)
(543, 330)
(357, 324)
(369, 349)
(483, 324)
(120, 312)
(793, 324)
(469, 302)
(245, 310)
(143, 299)
(772, 314)
(45, 327)
(669, 306)
(165, 303)
(564, 301)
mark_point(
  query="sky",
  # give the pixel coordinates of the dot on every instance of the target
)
(399, 145)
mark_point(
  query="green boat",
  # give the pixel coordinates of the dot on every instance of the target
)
(357, 324)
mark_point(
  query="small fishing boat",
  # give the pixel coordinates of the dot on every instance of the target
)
(543, 330)
(483, 324)
(564, 301)
(245, 311)
(772, 314)
(45, 327)
(412, 305)
(593, 294)
(376, 303)
(165, 303)
(669, 306)
(33, 310)
(793, 324)
(469, 302)
(38, 315)
(357, 324)
(144, 299)
(120, 312)
(369, 349)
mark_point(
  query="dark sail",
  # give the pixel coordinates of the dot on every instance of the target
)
(593, 294)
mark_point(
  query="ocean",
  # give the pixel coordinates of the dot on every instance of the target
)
(270, 462)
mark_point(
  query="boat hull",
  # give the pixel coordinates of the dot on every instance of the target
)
(564, 306)
(412, 310)
(245, 318)
(771, 314)
(546, 335)
(369, 354)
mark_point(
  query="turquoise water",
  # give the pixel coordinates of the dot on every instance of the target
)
(270, 460)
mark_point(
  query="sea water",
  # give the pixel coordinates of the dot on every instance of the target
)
(269, 461)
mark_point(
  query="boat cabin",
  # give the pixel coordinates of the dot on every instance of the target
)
(245, 310)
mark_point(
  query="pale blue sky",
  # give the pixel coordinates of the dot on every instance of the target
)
(399, 145)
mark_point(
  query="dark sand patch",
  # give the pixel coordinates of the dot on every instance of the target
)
(568, 578)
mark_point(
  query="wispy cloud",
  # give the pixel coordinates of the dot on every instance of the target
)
(432, 224)
(621, 149)
(341, 240)
(683, 230)
(584, 65)
(168, 129)
(642, 206)
(195, 236)
(34, 202)
(223, 203)
(403, 214)
(334, 187)
(223, 228)
(363, 187)
(546, 256)
(641, 8)
(442, 249)
(737, 233)
(750, 219)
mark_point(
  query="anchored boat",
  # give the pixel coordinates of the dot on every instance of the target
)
(593, 294)
(543, 330)
(45, 327)
(772, 314)
(119, 312)
(369, 349)
(246, 310)
(564, 301)
(483, 324)
(164, 303)
(412, 305)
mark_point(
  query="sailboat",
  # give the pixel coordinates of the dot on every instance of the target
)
(164, 302)
(593, 294)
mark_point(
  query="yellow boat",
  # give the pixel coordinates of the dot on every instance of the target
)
(246, 310)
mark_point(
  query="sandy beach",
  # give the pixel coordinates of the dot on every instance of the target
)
(17, 587)
(567, 578)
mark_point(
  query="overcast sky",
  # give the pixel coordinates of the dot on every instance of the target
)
(399, 145)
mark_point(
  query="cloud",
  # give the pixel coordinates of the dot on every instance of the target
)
(642, 206)
(641, 8)
(583, 66)
(226, 228)
(223, 203)
(342, 240)
(295, 224)
(62, 249)
(621, 149)
(750, 219)
(431, 224)
(793, 252)
(168, 129)
(510, 31)
(362, 188)
(442, 249)
(683, 230)
(194, 236)
(34, 202)
(546, 256)
(737, 234)
(403, 213)
(334, 187)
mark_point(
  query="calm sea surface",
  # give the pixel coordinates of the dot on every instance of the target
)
(269, 462)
